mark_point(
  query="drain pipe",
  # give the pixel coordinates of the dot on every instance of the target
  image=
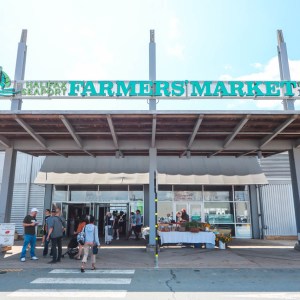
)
(261, 212)
(28, 179)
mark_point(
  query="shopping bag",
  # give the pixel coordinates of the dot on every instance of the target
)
(95, 249)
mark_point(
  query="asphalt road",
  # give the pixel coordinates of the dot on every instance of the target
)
(154, 284)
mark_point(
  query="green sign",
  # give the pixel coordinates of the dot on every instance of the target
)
(5, 84)
(146, 89)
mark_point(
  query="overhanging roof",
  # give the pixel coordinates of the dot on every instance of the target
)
(132, 133)
(134, 170)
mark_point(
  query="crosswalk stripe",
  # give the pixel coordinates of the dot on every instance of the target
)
(55, 293)
(61, 280)
(75, 271)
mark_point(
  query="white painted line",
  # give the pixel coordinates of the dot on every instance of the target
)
(61, 280)
(261, 247)
(75, 271)
(266, 295)
(68, 293)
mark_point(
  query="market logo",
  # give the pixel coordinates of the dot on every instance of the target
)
(5, 84)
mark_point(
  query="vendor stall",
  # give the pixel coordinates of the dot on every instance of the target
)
(176, 237)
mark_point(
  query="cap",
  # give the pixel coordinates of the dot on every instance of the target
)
(53, 210)
(34, 209)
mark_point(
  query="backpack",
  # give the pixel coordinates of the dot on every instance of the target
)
(81, 237)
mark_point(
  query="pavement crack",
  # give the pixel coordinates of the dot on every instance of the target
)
(168, 283)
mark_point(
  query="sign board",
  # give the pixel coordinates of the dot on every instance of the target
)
(147, 89)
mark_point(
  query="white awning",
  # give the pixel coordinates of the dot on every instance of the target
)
(134, 170)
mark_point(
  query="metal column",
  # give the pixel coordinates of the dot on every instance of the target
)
(16, 104)
(152, 150)
(7, 185)
(294, 156)
(284, 67)
(152, 66)
(152, 171)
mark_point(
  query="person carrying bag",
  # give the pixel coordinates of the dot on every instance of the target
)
(91, 241)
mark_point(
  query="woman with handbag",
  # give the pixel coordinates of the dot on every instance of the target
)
(91, 241)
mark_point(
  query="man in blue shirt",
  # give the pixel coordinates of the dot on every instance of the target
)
(55, 232)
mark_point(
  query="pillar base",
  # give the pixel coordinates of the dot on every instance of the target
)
(297, 246)
(151, 248)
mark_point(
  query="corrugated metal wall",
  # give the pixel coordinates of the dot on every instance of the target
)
(36, 199)
(27, 168)
(23, 166)
(277, 167)
(19, 206)
(278, 210)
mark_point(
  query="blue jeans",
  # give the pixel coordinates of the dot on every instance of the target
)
(29, 239)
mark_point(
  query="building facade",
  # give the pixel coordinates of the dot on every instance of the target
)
(247, 211)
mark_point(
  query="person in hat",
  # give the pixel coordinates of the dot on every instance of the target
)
(55, 232)
(30, 223)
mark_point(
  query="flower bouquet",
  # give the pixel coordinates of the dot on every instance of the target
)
(223, 239)
(206, 226)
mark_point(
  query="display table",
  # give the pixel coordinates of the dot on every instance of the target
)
(176, 237)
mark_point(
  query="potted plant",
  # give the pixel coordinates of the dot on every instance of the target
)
(192, 226)
(223, 240)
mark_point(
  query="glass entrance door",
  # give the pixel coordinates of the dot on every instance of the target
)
(195, 212)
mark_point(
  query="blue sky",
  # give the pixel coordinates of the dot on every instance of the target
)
(196, 40)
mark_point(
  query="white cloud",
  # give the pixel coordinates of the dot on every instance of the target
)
(174, 31)
(175, 47)
(177, 51)
(228, 67)
(256, 65)
(268, 72)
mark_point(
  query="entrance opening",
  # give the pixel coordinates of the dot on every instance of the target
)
(73, 212)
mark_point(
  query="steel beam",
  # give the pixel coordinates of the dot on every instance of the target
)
(215, 153)
(236, 130)
(195, 130)
(74, 135)
(112, 131)
(135, 144)
(247, 153)
(193, 135)
(5, 142)
(280, 128)
(71, 130)
(30, 131)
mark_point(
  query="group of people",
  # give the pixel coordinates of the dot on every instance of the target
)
(55, 226)
(54, 229)
(116, 223)
(182, 216)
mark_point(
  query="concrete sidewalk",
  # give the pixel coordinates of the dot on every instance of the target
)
(132, 255)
